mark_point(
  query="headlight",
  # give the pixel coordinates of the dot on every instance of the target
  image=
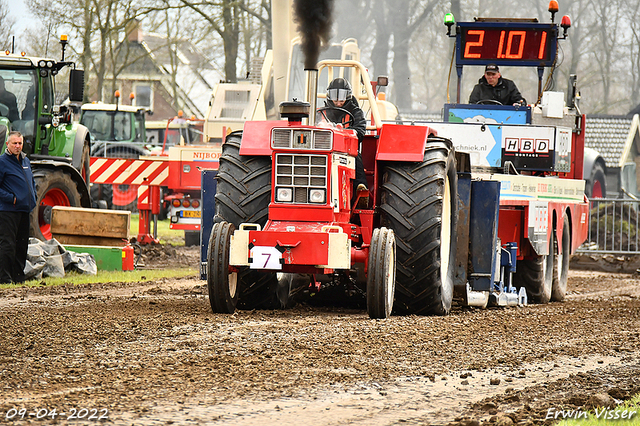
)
(316, 196)
(284, 195)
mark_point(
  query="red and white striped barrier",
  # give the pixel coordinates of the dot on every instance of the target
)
(129, 171)
(148, 175)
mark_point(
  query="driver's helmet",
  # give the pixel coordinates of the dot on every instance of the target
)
(339, 90)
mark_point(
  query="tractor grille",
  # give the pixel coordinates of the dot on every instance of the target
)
(304, 175)
(319, 140)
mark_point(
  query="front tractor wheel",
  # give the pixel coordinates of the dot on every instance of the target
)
(242, 196)
(54, 188)
(381, 274)
(222, 284)
(419, 204)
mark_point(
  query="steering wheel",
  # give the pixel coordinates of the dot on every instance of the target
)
(488, 102)
(348, 124)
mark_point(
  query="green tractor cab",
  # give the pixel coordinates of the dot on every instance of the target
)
(58, 149)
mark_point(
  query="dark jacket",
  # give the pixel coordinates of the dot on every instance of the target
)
(351, 105)
(9, 100)
(16, 180)
(504, 92)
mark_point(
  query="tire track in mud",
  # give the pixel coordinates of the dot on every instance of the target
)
(154, 353)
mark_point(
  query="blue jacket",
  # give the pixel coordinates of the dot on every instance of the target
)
(16, 181)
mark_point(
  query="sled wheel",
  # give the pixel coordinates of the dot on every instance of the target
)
(222, 285)
(54, 188)
(536, 275)
(381, 274)
(561, 263)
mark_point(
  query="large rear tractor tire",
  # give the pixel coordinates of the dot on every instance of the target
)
(54, 188)
(243, 195)
(536, 275)
(561, 263)
(419, 204)
(381, 274)
(244, 185)
(222, 284)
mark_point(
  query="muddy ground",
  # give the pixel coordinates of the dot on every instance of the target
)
(154, 354)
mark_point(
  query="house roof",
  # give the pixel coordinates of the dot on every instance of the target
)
(609, 135)
(195, 75)
(138, 60)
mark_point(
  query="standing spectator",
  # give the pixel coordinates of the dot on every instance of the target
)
(17, 199)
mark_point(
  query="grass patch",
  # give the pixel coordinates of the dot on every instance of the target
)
(108, 276)
(165, 234)
(608, 417)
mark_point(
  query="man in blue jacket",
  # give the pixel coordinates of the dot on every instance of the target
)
(17, 199)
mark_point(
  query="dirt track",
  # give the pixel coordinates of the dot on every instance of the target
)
(155, 354)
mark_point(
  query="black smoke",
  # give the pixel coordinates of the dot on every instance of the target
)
(314, 18)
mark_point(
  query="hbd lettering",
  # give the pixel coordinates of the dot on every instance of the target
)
(603, 413)
(527, 146)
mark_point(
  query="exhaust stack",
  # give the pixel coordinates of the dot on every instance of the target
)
(312, 93)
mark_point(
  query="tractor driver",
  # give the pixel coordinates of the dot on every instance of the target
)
(339, 95)
(493, 88)
(9, 100)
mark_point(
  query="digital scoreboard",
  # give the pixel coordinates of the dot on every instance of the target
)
(506, 43)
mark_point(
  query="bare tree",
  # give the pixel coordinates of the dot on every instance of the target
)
(381, 47)
(404, 26)
(6, 26)
(97, 23)
(224, 18)
(632, 9)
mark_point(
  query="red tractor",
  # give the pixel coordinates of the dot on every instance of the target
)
(494, 219)
(285, 211)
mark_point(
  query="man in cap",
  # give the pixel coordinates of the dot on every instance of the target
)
(492, 87)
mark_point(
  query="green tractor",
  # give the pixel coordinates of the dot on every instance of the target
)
(117, 131)
(58, 149)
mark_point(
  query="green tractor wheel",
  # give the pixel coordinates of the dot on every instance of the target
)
(54, 188)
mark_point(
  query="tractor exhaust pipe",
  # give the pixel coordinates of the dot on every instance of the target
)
(312, 93)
